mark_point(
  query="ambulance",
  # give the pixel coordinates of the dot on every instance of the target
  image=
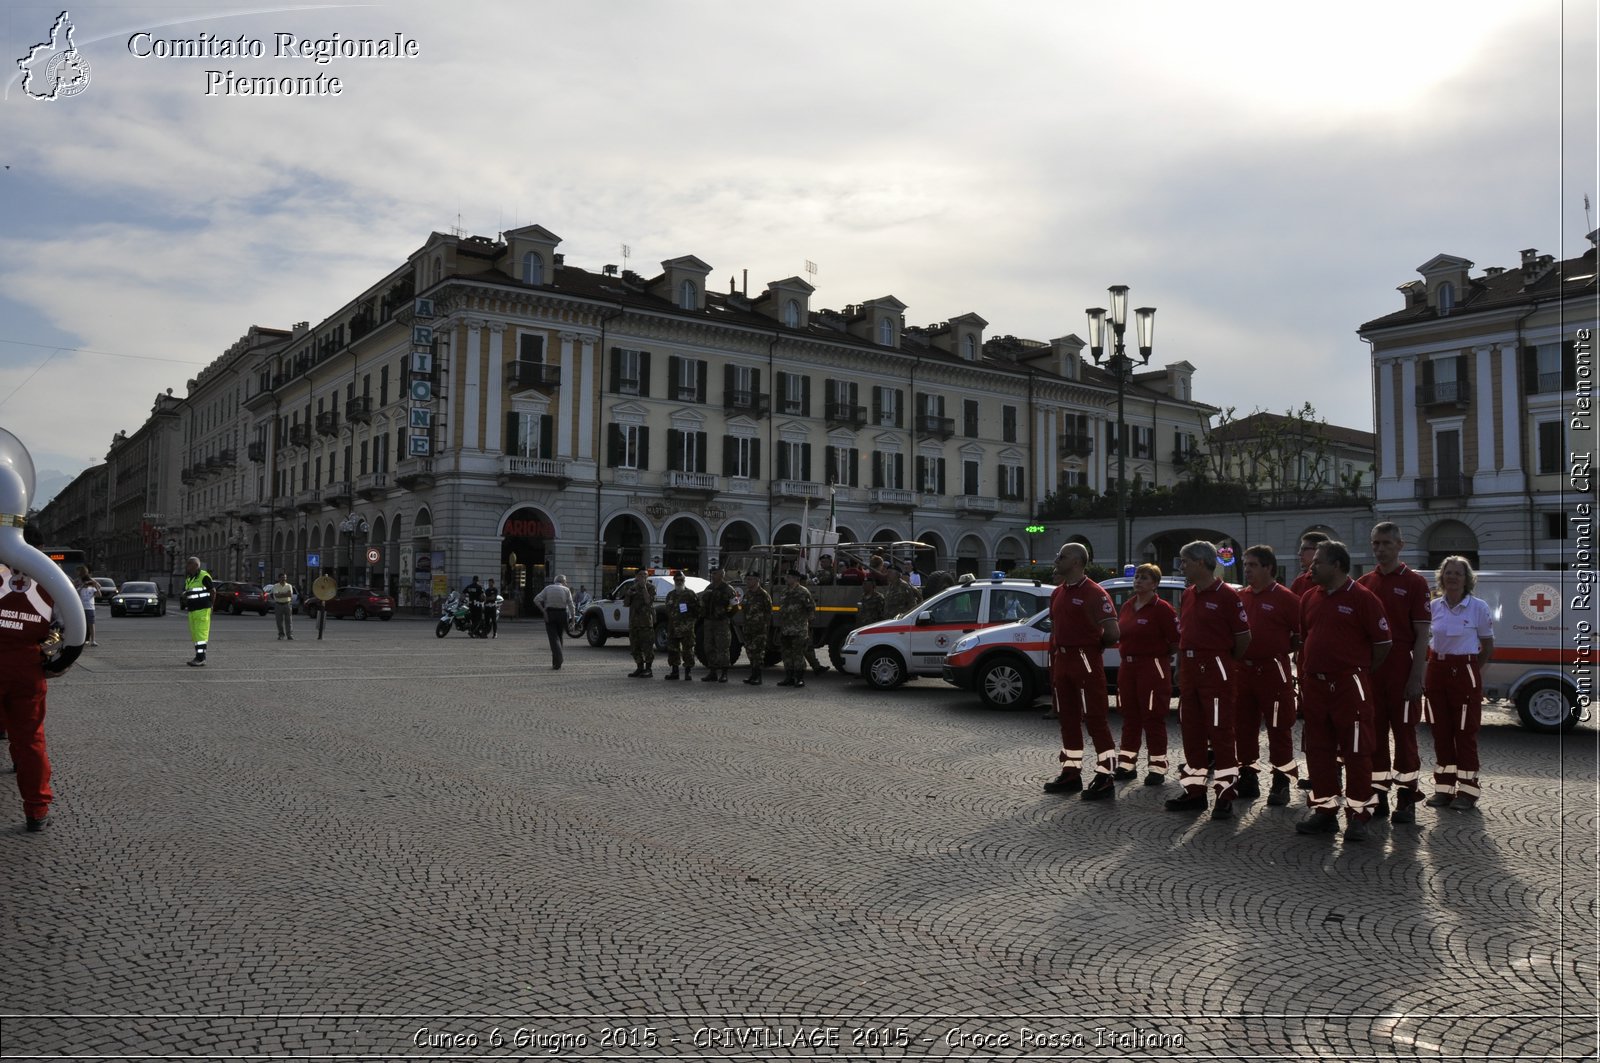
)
(1544, 645)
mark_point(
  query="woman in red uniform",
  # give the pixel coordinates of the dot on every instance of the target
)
(1149, 627)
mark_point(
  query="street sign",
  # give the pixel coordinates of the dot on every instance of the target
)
(313, 560)
(261, 566)
(374, 555)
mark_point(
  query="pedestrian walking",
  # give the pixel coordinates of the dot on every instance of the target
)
(716, 610)
(1214, 635)
(555, 600)
(198, 595)
(1397, 686)
(683, 609)
(1083, 623)
(282, 595)
(1265, 692)
(1346, 639)
(88, 591)
(1461, 643)
(1149, 637)
(755, 622)
(795, 606)
(641, 603)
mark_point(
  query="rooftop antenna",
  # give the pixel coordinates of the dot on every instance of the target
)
(811, 269)
(457, 230)
(1587, 224)
(627, 252)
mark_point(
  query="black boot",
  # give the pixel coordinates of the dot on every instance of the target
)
(755, 677)
(672, 674)
(722, 675)
(637, 673)
(788, 678)
(800, 677)
(710, 676)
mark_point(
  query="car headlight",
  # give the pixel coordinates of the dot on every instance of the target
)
(850, 640)
(964, 644)
(117, 600)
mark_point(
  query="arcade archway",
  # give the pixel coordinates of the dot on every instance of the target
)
(623, 550)
(682, 546)
(524, 561)
(1450, 537)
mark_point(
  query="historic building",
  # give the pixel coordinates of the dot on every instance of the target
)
(487, 409)
(1483, 391)
(143, 467)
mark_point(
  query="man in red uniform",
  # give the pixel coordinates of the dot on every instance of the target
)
(1308, 549)
(1083, 623)
(26, 612)
(1397, 686)
(1346, 640)
(1266, 679)
(1213, 634)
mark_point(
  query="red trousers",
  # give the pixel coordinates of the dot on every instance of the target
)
(1338, 715)
(1454, 686)
(1144, 694)
(1078, 688)
(1265, 694)
(1205, 716)
(1394, 715)
(22, 712)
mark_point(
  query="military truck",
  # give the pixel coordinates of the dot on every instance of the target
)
(836, 593)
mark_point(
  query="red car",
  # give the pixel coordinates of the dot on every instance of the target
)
(239, 598)
(358, 603)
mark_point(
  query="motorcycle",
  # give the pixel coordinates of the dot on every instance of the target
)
(476, 623)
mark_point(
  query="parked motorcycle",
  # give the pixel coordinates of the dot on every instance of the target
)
(455, 615)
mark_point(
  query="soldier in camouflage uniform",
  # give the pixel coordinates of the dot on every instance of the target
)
(873, 606)
(683, 608)
(641, 602)
(716, 607)
(901, 597)
(795, 606)
(755, 620)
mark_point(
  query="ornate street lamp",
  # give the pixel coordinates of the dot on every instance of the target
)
(352, 526)
(1121, 368)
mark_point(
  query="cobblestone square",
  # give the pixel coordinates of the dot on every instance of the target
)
(389, 846)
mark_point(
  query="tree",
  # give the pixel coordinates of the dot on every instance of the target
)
(1284, 455)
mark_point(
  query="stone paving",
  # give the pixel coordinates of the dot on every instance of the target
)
(388, 846)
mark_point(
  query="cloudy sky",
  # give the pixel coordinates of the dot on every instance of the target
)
(1263, 173)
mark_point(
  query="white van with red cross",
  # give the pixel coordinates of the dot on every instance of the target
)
(1544, 644)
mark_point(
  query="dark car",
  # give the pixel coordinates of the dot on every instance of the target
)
(239, 598)
(358, 603)
(139, 599)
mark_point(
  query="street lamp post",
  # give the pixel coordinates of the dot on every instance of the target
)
(1121, 369)
(352, 526)
(172, 565)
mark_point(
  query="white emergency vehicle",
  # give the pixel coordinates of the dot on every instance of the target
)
(1544, 645)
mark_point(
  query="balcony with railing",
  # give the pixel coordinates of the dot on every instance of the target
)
(980, 505)
(256, 451)
(413, 473)
(749, 403)
(891, 498)
(796, 489)
(1457, 393)
(1432, 487)
(188, 474)
(328, 423)
(1075, 445)
(337, 493)
(932, 425)
(548, 470)
(308, 501)
(372, 484)
(846, 415)
(532, 376)
(681, 484)
(359, 410)
(299, 435)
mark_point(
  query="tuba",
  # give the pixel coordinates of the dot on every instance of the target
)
(16, 484)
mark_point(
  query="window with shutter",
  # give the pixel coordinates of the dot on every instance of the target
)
(969, 418)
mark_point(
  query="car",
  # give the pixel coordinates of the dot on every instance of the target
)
(607, 618)
(1009, 666)
(107, 591)
(139, 599)
(357, 603)
(236, 598)
(889, 652)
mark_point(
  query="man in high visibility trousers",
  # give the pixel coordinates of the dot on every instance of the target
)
(196, 601)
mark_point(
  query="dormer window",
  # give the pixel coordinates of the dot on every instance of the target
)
(969, 347)
(886, 331)
(687, 296)
(532, 268)
(791, 313)
(1447, 298)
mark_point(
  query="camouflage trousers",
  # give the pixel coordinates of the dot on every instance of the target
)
(718, 639)
(755, 647)
(795, 649)
(680, 646)
(642, 641)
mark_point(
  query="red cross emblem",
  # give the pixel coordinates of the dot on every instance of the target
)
(1541, 603)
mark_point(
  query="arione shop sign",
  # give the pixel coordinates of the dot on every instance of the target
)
(519, 526)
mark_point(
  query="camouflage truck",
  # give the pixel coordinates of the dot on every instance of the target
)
(836, 595)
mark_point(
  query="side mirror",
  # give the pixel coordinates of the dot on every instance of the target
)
(925, 617)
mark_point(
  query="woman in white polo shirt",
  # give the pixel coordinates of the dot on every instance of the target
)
(1460, 644)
